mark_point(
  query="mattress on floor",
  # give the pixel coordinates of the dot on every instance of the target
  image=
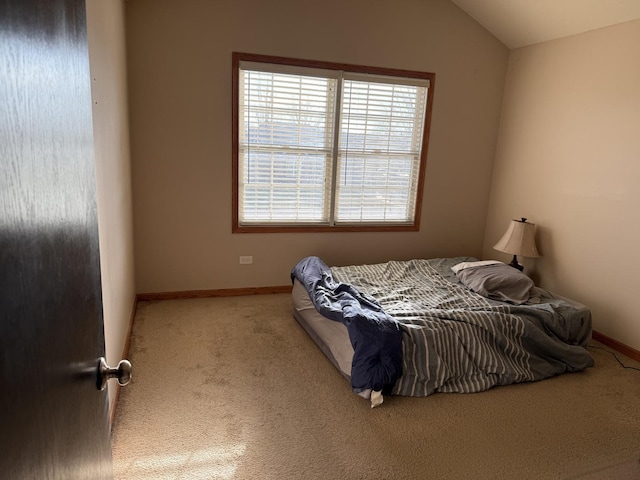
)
(453, 340)
(332, 337)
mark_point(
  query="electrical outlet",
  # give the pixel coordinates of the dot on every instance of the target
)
(246, 259)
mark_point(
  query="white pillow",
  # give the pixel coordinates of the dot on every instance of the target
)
(461, 266)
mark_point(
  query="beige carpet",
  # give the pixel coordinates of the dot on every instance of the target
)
(233, 388)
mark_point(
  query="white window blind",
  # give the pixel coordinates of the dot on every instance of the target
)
(326, 147)
(285, 146)
(379, 151)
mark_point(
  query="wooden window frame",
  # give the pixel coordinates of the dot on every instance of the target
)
(238, 57)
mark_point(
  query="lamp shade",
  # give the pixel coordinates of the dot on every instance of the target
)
(519, 239)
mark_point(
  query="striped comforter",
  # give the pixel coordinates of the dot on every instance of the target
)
(455, 340)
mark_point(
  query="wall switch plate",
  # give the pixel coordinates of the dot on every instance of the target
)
(246, 259)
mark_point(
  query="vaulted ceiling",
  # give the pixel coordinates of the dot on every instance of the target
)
(518, 23)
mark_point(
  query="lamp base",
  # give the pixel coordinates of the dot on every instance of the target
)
(514, 263)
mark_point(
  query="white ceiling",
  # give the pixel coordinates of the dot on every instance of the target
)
(518, 23)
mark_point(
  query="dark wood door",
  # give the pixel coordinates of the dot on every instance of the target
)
(53, 419)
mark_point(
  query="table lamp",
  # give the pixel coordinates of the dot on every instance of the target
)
(519, 239)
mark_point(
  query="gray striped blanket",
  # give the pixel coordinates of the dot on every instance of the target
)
(455, 340)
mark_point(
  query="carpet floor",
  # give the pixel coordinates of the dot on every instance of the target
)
(233, 388)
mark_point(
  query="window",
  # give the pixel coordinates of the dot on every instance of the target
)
(323, 146)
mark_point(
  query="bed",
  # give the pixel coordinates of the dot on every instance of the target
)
(422, 326)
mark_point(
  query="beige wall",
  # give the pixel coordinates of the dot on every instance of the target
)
(568, 158)
(105, 21)
(179, 55)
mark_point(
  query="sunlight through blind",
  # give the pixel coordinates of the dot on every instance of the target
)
(297, 125)
(379, 151)
(286, 140)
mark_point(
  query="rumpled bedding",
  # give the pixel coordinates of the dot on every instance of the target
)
(375, 337)
(417, 330)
